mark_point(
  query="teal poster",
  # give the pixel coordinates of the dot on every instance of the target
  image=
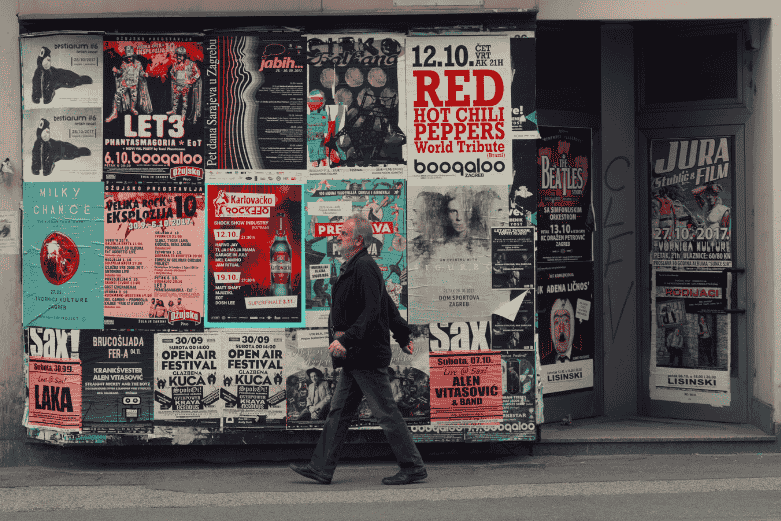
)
(62, 255)
(328, 204)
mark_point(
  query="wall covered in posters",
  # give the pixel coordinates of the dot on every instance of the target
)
(177, 279)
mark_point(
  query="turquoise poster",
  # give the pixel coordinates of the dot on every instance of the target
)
(62, 259)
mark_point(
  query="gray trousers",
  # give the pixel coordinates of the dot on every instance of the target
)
(352, 386)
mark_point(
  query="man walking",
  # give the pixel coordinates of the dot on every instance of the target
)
(361, 315)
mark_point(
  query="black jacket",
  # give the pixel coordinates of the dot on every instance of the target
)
(364, 312)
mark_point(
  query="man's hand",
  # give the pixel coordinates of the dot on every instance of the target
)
(337, 349)
(408, 348)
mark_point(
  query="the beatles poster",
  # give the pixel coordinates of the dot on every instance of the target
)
(328, 204)
(153, 108)
(355, 105)
(252, 392)
(690, 337)
(565, 220)
(450, 251)
(154, 256)
(62, 255)
(565, 294)
(255, 263)
(691, 197)
(255, 87)
(118, 374)
(458, 111)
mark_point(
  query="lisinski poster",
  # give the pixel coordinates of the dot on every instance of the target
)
(450, 273)
(564, 220)
(691, 198)
(117, 369)
(328, 204)
(152, 105)
(690, 337)
(255, 89)
(355, 104)
(54, 380)
(459, 109)
(565, 294)
(62, 252)
(252, 392)
(154, 256)
(187, 379)
(255, 262)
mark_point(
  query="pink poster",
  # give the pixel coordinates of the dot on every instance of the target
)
(55, 393)
(154, 254)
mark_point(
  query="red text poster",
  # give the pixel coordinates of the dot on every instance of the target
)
(154, 256)
(466, 387)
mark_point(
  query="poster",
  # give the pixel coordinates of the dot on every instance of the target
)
(54, 378)
(523, 60)
(154, 256)
(565, 294)
(187, 379)
(516, 331)
(691, 198)
(153, 108)
(523, 192)
(9, 232)
(565, 220)
(690, 337)
(328, 204)
(61, 144)
(310, 379)
(117, 369)
(450, 275)
(512, 258)
(355, 114)
(255, 262)
(255, 86)
(252, 365)
(459, 110)
(62, 71)
(62, 255)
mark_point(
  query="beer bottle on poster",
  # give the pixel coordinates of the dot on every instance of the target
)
(281, 261)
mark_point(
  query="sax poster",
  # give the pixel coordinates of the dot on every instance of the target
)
(187, 379)
(62, 71)
(328, 204)
(691, 198)
(54, 378)
(356, 105)
(690, 337)
(459, 110)
(61, 144)
(255, 262)
(565, 220)
(152, 108)
(252, 365)
(154, 256)
(450, 273)
(62, 255)
(117, 369)
(255, 86)
(565, 294)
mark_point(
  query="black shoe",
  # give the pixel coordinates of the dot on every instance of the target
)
(405, 477)
(309, 472)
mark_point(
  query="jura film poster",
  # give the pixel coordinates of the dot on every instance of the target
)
(458, 111)
(255, 261)
(153, 108)
(62, 255)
